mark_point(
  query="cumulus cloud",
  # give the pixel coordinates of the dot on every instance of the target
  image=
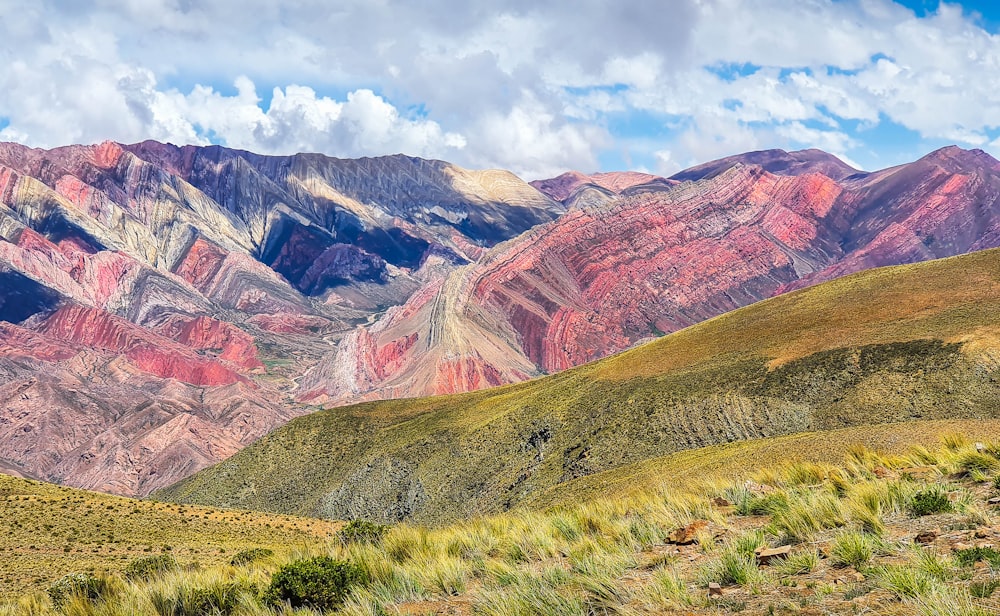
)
(536, 88)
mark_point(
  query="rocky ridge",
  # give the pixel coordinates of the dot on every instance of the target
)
(160, 302)
(618, 270)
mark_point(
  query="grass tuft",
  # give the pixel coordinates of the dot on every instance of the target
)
(853, 549)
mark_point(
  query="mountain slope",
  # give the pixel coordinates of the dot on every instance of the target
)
(159, 302)
(911, 342)
(618, 269)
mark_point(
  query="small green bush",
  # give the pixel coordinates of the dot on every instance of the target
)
(746, 502)
(933, 499)
(217, 599)
(149, 567)
(732, 568)
(799, 562)
(77, 585)
(363, 531)
(245, 557)
(983, 589)
(971, 556)
(319, 583)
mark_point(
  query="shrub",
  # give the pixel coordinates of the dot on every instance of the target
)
(320, 583)
(810, 512)
(362, 531)
(245, 557)
(971, 556)
(216, 599)
(733, 568)
(149, 567)
(77, 585)
(933, 499)
(800, 562)
(938, 567)
(668, 588)
(947, 602)
(983, 589)
(748, 543)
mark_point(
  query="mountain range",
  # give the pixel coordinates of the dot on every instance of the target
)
(167, 306)
(887, 345)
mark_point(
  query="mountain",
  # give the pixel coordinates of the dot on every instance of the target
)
(885, 345)
(778, 162)
(160, 302)
(166, 306)
(561, 188)
(619, 269)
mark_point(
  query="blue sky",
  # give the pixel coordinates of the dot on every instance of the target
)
(538, 88)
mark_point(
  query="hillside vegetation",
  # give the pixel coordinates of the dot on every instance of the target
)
(887, 345)
(48, 531)
(910, 533)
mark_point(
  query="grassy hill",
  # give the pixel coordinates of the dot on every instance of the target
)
(916, 342)
(48, 531)
(687, 470)
(909, 533)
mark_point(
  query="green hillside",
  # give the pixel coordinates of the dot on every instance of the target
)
(48, 531)
(896, 344)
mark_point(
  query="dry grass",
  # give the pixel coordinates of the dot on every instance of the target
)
(611, 556)
(825, 447)
(47, 531)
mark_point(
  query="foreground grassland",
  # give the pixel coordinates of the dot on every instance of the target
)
(47, 531)
(685, 468)
(908, 533)
(915, 342)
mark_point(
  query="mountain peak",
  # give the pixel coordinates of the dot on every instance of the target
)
(563, 186)
(774, 161)
(958, 160)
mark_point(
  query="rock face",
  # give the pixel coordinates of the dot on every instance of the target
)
(659, 256)
(159, 303)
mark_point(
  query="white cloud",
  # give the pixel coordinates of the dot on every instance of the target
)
(665, 163)
(832, 141)
(535, 88)
(533, 142)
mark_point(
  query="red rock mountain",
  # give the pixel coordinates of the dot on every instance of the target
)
(164, 306)
(159, 302)
(657, 257)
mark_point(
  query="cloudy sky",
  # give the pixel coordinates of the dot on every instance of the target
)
(592, 85)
